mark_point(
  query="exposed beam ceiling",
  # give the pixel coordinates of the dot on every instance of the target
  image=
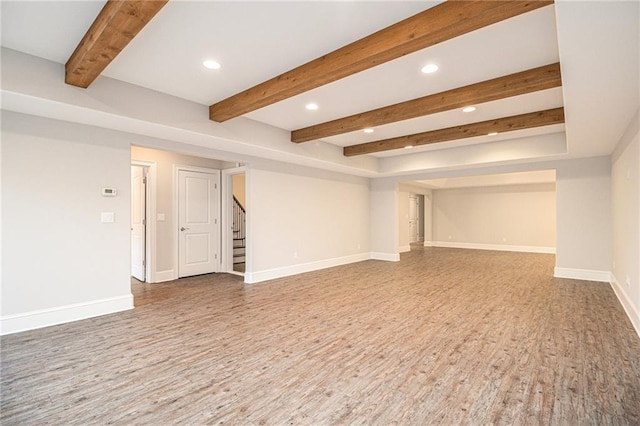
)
(435, 25)
(117, 24)
(541, 78)
(506, 124)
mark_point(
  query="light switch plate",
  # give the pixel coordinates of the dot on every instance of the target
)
(160, 217)
(107, 217)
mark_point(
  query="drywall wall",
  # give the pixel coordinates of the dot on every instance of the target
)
(303, 219)
(58, 261)
(239, 188)
(403, 221)
(165, 236)
(583, 238)
(384, 219)
(625, 195)
(511, 217)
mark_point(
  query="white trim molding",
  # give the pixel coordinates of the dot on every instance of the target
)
(582, 274)
(285, 271)
(625, 301)
(404, 249)
(389, 257)
(496, 247)
(428, 243)
(10, 324)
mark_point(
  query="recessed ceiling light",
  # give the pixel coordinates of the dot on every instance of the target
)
(311, 107)
(211, 64)
(368, 130)
(468, 109)
(492, 133)
(430, 68)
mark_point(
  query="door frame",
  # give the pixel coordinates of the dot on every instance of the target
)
(226, 219)
(175, 222)
(150, 213)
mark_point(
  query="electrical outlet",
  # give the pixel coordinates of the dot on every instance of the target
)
(449, 237)
(358, 246)
(628, 282)
(295, 254)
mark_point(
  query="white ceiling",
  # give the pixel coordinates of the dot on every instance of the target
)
(255, 41)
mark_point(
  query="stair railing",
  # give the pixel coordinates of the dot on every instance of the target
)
(239, 223)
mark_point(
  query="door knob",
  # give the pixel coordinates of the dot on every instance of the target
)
(183, 228)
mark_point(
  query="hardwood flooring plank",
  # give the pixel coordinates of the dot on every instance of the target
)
(445, 336)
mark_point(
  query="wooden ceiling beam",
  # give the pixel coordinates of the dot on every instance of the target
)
(437, 24)
(541, 78)
(500, 125)
(116, 25)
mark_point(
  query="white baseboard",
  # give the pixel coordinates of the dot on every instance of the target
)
(428, 243)
(163, 276)
(623, 297)
(404, 249)
(46, 317)
(285, 271)
(389, 257)
(582, 274)
(497, 247)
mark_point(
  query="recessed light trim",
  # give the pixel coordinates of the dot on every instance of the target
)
(311, 106)
(469, 109)
(368, 130)
(211, 64)
(430, 68)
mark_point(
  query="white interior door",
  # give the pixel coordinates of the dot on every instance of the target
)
(138, 222)
(413, 219)
(198, 222)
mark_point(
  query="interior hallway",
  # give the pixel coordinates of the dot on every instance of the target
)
(445, 336)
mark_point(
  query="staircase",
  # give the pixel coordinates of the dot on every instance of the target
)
(239, 235)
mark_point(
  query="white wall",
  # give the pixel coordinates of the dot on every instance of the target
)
(511, 217)
(303, 219)
(57, 256)
(403, 221)
(625, 194)
(584, 236)
(384, 219)
(165, 238)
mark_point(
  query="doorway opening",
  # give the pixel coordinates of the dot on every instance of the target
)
(416, 214)
(239, 223)
(235, 231)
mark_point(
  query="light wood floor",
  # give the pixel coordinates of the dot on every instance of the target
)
(442, 337)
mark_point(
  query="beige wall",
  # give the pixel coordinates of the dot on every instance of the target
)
(59, 261)
(507, 216)
(625, 195)
(239, 189)
(583, 190)
(301, 219)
